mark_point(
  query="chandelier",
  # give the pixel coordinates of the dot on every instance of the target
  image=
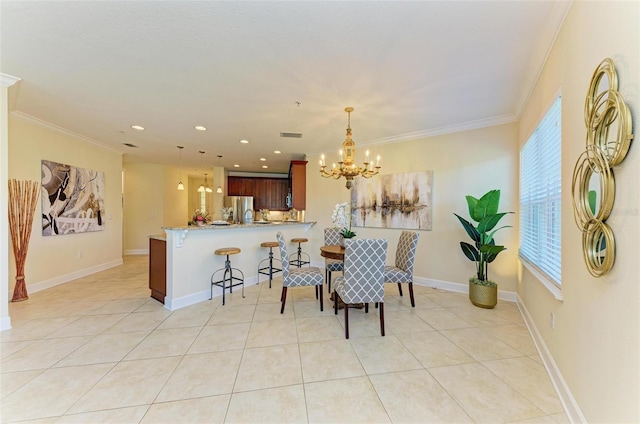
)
(347, 167)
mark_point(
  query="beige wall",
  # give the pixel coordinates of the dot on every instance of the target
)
(143, 205)
(470, 162)
(597, 337)
(55, 258)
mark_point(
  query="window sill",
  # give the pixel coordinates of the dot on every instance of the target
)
(543, 279)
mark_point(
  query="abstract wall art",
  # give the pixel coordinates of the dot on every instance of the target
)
(393, 201)
(72, 199)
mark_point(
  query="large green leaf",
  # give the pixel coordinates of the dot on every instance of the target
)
(487, 205)
(488, 222)
(491, 252)
(471, 230)
(470, 251)
(472, 202)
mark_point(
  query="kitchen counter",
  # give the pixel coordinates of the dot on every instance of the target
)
(190, 259)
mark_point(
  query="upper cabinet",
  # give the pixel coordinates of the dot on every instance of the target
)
(268, 193)
(298, 176)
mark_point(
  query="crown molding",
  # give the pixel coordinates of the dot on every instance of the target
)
(7, 80)
(62, 131)
(447, 129)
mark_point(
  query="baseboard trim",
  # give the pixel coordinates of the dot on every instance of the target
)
(52, 282)
(461, 288)
(136, 252)
(569, 403)
(201, 296)
(5, 323)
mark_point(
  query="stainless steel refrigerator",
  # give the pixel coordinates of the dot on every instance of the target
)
(242, 208)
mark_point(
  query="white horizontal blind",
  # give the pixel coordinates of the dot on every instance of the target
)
(540, 195)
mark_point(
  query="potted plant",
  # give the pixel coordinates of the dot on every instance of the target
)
(484, 211)
(341, 218)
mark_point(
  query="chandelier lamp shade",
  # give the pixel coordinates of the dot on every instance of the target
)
(347, 167)
(180, 185)
(204, 186)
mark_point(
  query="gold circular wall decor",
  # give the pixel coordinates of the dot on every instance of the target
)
(609, 134)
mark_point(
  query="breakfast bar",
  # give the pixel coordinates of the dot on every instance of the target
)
(190, 260)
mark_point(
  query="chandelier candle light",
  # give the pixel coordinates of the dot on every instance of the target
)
(346, 166)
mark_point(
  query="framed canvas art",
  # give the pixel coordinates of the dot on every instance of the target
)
(393, 201)
(72, 199)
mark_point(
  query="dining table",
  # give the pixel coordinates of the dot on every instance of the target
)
(332, 251)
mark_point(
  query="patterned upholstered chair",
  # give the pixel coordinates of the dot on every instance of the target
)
(363, 280)
(332, 236)
(402, 272)
(295, 277)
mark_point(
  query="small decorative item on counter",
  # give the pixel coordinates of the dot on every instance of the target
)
(264, 213)
(341, 218)
(293, 215)
(200, 217)
(226, 213)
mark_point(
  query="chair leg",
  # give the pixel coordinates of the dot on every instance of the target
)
(382, 318)
(329, 282)
(319, 289)
(316, 292)
(346, 321)
(335, 303)
(366, 308)
(283, 299)
(400, 288)
(413, 302)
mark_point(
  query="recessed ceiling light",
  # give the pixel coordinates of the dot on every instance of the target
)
(200, 128)
(265, 166)
(277, 152)
(263, 159)
(137, 127)
(235, 165)
(244, 141)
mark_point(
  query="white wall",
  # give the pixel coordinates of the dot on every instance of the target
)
(470, 162)
(5, 239)
(54, 259)
(596, 342)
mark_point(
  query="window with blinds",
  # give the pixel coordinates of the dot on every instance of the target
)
(540, 196)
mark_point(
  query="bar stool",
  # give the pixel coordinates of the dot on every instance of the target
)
(298, 259)
(269, 270)
(227, 269)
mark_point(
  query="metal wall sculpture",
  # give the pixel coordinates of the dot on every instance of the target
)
(609, 134)
(72, 199)
(393, 201)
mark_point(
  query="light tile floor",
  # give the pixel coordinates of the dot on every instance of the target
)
(100, 350)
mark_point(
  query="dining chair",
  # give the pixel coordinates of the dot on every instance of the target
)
(363, 279)
(402, 271)
(297, 277)
(332, 237)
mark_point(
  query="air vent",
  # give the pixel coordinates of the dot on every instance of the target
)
(290, 135)
(130, 145)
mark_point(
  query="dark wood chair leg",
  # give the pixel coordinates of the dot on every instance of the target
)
(284, 299)
(335, 303)
(329, 282)
(366, 308)
(319, 289)
(346, 321)
(400, 288)
(381, 318)
(413, 302)
(316, 292)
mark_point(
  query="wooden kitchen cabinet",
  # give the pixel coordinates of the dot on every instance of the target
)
(298, 175)
(268, 193)
(158, 268)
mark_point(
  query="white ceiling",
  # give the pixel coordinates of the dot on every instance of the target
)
(239, 68)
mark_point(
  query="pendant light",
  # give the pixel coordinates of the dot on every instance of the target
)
(219, 189)
(180, 185)
(201, 188)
